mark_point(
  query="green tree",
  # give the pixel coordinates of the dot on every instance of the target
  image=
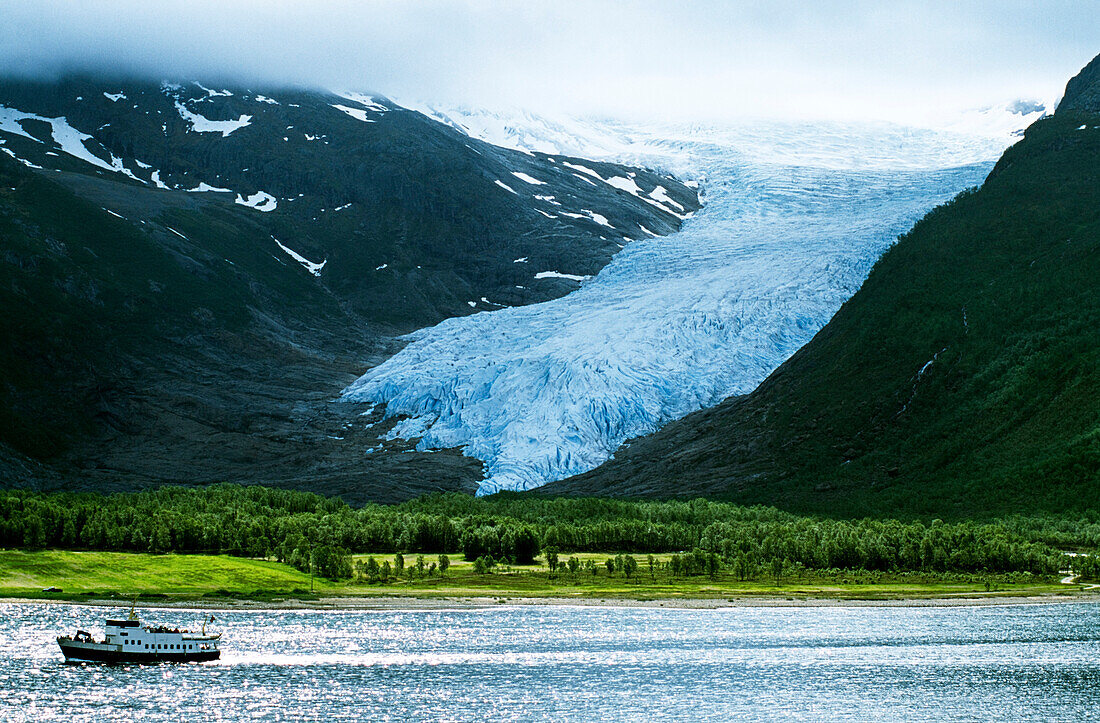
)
(778, 568)
(372, 570)
(552, 560)
(444, 564)
(525, 546)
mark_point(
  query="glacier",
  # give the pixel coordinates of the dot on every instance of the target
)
(795, 215)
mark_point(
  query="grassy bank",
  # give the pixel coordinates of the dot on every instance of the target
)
(99, 575)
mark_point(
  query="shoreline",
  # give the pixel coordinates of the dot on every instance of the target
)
(397, 603)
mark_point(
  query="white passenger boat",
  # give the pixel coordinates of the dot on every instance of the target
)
(128, 641)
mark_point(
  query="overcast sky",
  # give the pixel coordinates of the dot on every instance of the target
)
(702, 59)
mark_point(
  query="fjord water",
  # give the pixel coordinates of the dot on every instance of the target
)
(1018, 662)
(795, 216)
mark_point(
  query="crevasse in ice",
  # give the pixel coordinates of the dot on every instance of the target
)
(795, 215)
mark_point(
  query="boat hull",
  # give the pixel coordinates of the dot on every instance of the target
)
(76, 653)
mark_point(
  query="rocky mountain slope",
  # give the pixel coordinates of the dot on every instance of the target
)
(962, 378)
(191, 274)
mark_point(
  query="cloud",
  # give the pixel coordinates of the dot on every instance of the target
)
(696, 59)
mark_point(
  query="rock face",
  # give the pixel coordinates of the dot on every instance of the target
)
(197, 272)
(1083, 90)
(962, 378)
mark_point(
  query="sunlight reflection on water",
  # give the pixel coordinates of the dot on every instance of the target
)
(562, 663)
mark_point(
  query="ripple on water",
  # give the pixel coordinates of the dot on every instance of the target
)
(1028, 662)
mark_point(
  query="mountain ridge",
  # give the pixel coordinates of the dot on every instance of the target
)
(959, 380)
(201, 270)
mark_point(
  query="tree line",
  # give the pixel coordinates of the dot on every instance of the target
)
(308, 530)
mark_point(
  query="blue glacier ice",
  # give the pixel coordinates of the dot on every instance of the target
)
(795, 216)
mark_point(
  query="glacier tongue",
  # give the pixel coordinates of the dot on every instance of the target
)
(795, 216)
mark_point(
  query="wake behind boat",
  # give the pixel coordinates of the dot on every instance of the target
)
(128, 641)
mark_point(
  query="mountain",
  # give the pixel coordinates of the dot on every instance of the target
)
(796, 214)
(963, 378)
(194, 273)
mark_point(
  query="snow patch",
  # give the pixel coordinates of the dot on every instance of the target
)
(559, 275)
(368, 102)
(505, 186)
(69, 139)
(528, 179)
(660, 195)
(202, 124)
(310, 266)
(114, 97)
(214, 93)
(356, 113)
(259, 200)
(205, 187)
(24, 161)
(590, 215)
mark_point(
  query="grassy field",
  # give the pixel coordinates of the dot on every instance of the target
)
(183, 577)
(25, 574)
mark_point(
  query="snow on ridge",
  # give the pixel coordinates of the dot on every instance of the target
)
(212, 93)
(356, 113)
(505, 186)
(205, 187)
(69, 139)
(367, 101)
(202, 124)
(310, 266)
(259, 200)
(796, 216)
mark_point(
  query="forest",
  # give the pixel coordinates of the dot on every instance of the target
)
(309, 531)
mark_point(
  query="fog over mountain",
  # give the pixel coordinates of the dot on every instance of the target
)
(701, 60)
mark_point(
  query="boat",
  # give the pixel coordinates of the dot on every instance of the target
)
(128, 641)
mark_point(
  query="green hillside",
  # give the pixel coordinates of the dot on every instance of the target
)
(962, 379)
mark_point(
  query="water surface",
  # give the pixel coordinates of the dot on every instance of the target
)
(1026, 662)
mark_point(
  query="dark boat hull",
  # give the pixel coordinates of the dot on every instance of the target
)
(80, 654)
